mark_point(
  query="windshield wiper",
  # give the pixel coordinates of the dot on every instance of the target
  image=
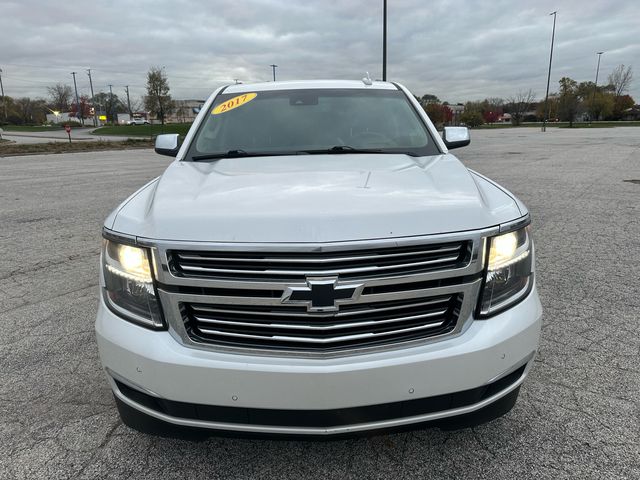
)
(342, 149)
(237, 154)
(349, 149)
(227, 154)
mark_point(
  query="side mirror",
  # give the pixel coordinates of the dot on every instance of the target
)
(456, 137)
(167, 144)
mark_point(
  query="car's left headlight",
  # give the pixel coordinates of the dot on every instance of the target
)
(509, 272)
(128, 284)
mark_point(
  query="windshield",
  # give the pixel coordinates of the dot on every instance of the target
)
(311, 121)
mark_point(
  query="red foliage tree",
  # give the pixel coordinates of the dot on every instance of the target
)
(85, 107)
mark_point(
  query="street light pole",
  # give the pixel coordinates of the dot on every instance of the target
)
(93, 103)
(78, 108)
(128, 102)
(384, 41)
(273, 67)
(546, 98)
(111, 102)
(4, 101)
(595, 86)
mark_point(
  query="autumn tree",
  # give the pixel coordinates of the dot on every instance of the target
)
(551, 108)
(601, 104)
(471, 118)
(158, 101)
(439, 114)
(85, 107)
(60, 96)
(568, 100)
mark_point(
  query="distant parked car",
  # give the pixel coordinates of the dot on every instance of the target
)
(137, 121)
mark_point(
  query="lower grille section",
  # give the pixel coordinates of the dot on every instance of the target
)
(358, 325)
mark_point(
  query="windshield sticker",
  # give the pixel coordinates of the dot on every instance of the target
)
(234, 102)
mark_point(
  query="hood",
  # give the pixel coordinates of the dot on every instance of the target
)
(314, 198)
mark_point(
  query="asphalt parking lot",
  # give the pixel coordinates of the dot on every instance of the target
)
(578, 412)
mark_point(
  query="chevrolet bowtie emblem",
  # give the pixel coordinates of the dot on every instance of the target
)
(322, 294)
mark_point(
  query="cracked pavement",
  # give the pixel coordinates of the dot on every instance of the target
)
(578, 412)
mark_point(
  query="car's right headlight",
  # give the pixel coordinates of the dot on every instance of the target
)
(509, 272)
(128, 284)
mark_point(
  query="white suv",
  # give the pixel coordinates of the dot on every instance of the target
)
(138, 121)
(315, 262)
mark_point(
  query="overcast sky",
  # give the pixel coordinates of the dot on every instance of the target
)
(458, 50)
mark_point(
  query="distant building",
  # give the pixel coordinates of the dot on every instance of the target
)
(505, 118)
(632, 113)
(456, 110)
(184, 111)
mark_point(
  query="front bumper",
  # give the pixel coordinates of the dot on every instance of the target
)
(322, 396)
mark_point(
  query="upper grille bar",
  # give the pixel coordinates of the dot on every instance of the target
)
(290, 259)
(296, 265)
(342, 271)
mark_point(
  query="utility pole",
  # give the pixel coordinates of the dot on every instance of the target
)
(93, 103)
(384, 41)
(274, 71)
(595, 86)
(546, 98)
(111, 102)
(4, 102)
(126, 89)
(78, 107)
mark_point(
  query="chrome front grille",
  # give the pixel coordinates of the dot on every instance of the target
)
(247, 297)
(351, 264)
(293, 328)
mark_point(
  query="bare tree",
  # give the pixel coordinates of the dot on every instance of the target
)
(494, 102)
(60, 97)
(519, 104)
(158, 101)
(620, 80)
(137, 104)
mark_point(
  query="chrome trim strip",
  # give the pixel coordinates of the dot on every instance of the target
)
(113, 375)
(276, 301)
(525, 361)
(516, 224)
(322, 341)
(360, 427)
(305, 315)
